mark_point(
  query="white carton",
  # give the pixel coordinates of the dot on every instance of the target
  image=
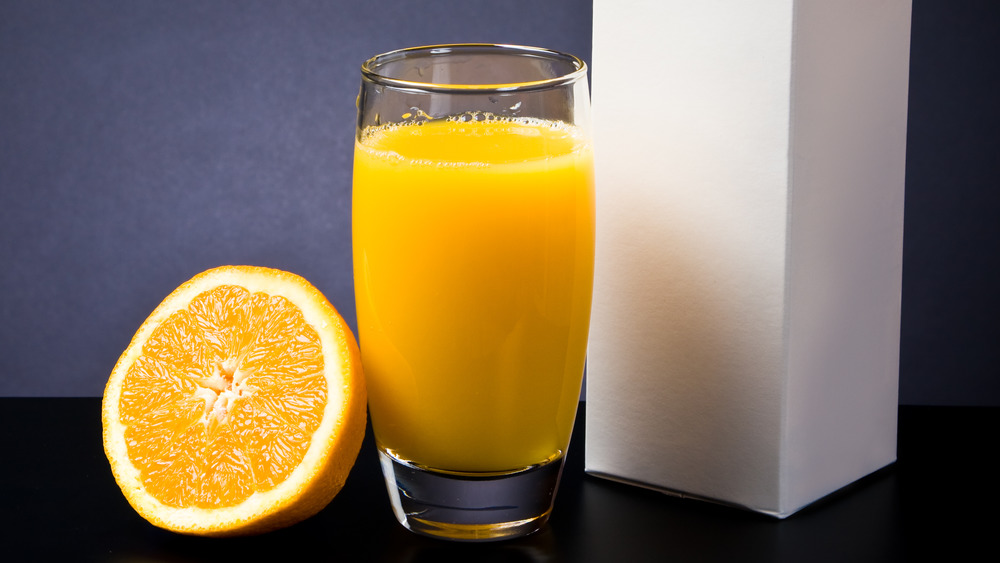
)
(750, 164)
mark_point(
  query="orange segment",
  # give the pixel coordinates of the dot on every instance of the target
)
(238, 407)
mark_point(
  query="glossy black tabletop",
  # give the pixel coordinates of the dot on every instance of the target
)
(938, 499)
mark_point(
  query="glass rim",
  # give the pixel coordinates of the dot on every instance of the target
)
(369, 68)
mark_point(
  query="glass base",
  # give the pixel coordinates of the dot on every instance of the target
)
(471, 507)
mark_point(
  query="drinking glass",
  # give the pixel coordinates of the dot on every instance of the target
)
(473, 240)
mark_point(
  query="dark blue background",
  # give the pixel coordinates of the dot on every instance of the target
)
(142, 142)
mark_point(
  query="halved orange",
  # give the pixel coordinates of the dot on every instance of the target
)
(238, 407)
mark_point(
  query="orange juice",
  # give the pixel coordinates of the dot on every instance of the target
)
(473, 258)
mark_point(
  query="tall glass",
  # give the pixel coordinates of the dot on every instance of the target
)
(473, 233)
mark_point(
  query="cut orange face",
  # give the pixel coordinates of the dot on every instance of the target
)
(239, 406)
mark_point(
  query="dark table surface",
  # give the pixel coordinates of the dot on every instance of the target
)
(939, 499)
